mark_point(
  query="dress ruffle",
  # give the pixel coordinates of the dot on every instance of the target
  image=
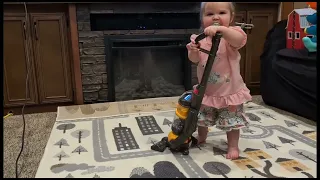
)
(242, 96)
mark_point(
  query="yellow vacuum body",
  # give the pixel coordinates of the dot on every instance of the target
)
(180, 116)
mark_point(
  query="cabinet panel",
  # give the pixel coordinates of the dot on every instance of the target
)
(51, 57)
(16, 56)
(241, 17)
(263, 22)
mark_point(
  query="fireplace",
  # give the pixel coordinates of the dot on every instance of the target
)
(146, 66)
(141, 45)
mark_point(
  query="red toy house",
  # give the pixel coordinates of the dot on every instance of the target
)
(297, 22)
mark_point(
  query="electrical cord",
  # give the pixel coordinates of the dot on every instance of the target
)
(27, 89)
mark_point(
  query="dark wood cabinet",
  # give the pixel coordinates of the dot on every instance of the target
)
(51, 57)
(263, 22)
(263, 17)
(40, 45)
(17, 60)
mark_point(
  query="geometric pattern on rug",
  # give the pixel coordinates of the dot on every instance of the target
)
(272, 146)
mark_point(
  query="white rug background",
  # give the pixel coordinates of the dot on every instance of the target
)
(85, 165)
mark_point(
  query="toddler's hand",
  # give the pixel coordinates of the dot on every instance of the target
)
(211, 30)
(192, 46)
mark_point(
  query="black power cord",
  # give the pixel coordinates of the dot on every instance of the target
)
(27, 89)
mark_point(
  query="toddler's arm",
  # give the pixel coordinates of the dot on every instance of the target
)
(235, 36)
(194, 56)
(193, 51)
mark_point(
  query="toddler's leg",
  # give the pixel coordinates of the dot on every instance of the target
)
(231, 119)
(202, 134)
(233, 140)
(204, 120)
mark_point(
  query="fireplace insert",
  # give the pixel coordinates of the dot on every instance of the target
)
(147, 66)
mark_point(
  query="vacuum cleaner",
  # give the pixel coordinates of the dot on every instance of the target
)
(189, 103)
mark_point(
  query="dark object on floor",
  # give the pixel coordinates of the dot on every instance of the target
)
(288, 76)
(161, 145)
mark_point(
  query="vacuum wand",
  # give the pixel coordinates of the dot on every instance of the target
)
(197, 96)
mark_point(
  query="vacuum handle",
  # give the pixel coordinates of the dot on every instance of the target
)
(198, 95)
(203, 35)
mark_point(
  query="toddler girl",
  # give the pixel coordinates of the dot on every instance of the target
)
(226, 92)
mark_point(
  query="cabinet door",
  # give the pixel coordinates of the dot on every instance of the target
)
(49, 33)
(263, 22)
(16, 55)
(241, 17)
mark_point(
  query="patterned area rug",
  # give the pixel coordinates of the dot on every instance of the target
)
(111, 140)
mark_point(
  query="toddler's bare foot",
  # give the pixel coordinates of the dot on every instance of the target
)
(233, 149)
(233, 153)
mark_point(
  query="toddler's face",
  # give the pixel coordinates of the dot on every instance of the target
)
(217, 12)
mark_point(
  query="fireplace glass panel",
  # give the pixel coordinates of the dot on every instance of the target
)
(148, 72)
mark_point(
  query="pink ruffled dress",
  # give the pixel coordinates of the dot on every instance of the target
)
(225, 85)
(226, 92)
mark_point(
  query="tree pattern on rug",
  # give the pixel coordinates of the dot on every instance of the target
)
(303, 155)
(61, 155)
(270, 145)
(253, 117)
(166, 122)
(80, 134)
(247, 130)
(96, 176)
(65, 127)
(162, 169)
(217, 168)
(285, 140)
(267, 115)
(79, 150)
(291, 123)
(69, 176)
(61, 143)
(218, 151)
